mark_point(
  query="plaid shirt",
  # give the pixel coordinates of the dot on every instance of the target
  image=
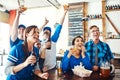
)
(104, 52)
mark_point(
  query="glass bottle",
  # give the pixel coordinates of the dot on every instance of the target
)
(33, 54)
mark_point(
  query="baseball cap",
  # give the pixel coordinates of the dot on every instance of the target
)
(47, 28)
(21, 25)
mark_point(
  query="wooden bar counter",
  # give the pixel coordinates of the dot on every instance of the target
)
(94, 76)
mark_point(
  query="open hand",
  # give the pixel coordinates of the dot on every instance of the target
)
(44, 75)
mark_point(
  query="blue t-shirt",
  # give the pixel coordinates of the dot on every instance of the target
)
(17, 41)
(17, 56)
(68, 64)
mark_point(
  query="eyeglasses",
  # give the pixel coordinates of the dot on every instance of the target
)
(94, 31)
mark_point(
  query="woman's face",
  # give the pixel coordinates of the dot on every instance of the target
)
(78, 43)
(33, 35)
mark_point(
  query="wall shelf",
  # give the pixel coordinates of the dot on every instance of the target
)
(95, 19)
(113, 10)
(112, 38)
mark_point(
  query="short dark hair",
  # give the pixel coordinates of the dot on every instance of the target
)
(73, 41)
(93, 27)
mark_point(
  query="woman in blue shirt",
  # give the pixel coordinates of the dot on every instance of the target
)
(23, 58)
(75, 56)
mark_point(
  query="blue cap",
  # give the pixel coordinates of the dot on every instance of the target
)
(47, 28)
(21, 25)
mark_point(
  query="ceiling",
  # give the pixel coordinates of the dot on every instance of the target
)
(13, 4)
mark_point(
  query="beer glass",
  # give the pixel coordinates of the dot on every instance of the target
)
(105, 69)
(59, 70)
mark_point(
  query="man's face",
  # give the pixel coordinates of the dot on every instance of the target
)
(94, 33)
(21, 32)
(46, 34)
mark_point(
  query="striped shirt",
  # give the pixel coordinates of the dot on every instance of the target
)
(16, 57)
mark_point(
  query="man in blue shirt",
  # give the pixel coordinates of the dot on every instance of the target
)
(16, 33)
(97, 50)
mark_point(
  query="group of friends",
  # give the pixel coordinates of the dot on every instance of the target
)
(30, 56)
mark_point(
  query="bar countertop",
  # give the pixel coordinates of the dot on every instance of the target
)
(94, 76)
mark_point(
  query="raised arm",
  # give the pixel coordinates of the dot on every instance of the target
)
(66, 7)
(45, 22)
(14, 29)
(56, 34)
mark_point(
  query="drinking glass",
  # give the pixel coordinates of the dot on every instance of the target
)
(105, 69)
(59, 70)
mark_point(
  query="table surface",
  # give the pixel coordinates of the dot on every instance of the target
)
(94, 76)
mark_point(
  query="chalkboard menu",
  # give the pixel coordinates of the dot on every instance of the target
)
(75, 23)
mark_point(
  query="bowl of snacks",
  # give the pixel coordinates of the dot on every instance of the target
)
(80, 71)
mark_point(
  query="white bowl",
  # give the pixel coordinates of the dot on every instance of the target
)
(81, 71)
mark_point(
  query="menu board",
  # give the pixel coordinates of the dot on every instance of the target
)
(75, 23)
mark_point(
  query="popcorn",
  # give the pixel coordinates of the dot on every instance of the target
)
(81, 71)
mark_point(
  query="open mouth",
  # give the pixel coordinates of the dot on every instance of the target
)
(95, 35)
(36, 37)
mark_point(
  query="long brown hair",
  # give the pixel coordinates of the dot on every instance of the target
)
(25, 44)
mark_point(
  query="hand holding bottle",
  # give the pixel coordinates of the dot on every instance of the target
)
(33, 55)
(30, 60)
(66, 6)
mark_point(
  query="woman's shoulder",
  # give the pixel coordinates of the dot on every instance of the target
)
(18, 46)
